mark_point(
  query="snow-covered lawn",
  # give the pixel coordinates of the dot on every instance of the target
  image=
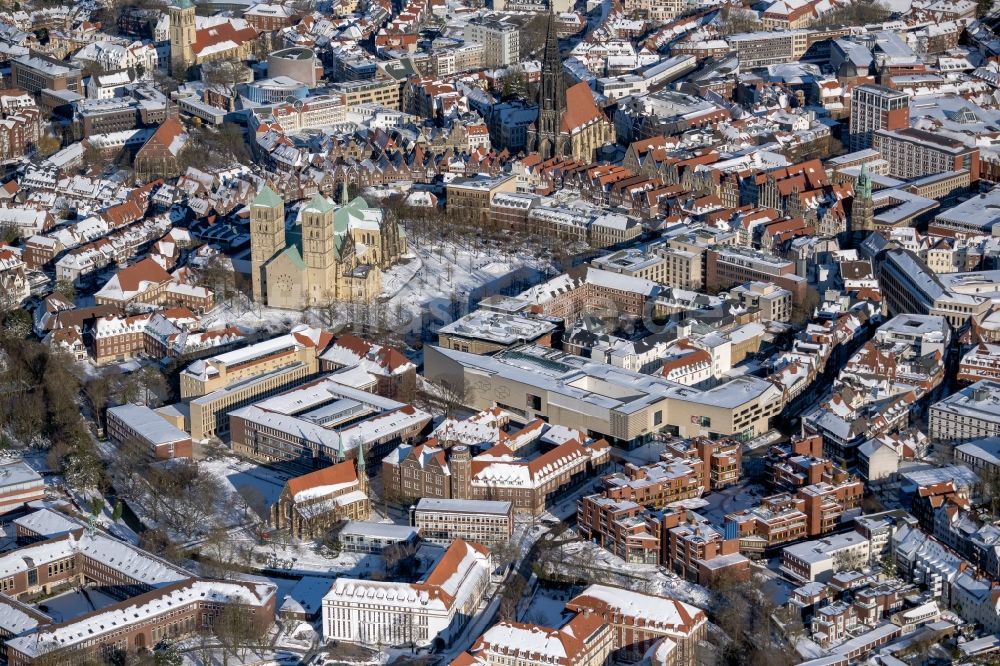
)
(546, 607)
(74, 603)
(447, 272)
(808, 649)
(237, 473)
(588, 561)
(427, 280)
(305, 558)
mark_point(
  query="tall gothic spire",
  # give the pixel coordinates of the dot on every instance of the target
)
(551, 98)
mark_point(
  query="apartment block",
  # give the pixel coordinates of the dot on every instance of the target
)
(774, 302)
(640, 620)
(501, 41)
(819, 559)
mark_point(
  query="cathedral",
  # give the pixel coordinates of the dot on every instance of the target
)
(329, 253)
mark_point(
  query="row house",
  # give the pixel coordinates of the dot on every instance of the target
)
(14, 285)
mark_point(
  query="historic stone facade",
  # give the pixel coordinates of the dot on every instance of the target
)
(311, 504)
(569, 122)
(182, 35)
(330, 253)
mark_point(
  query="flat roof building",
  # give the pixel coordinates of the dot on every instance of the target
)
(482, 521)
(970, 414)
(138, 429)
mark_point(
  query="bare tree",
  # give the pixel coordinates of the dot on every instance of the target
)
(239, 630)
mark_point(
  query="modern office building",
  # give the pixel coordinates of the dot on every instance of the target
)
(442, 521)
(876, 108)
(216, 385)
(622, 406)
(913, 153)
(970, 414)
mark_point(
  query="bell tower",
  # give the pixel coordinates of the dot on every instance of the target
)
(182, 35)
(267, 237)
(317, 233)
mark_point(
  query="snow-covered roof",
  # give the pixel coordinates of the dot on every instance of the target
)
(668, 615)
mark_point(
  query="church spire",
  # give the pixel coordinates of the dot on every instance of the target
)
(863, 184)
(551, 97)
(344, 199)
(862, 208)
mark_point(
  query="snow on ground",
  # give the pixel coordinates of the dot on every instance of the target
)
(588, 561)
(298, 637)
(448, 270)
(426, 279)
(729, 500)
(307, 558)
(808, 649)
(546, 607)
(74, 603)
(236, 473)
(645, 454)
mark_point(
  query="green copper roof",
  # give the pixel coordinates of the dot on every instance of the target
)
(293, 255)
(182, 4)
(863, 184)
(267, 197)
(319, 204)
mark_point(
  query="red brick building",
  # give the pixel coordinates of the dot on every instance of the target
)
(640, 620)
(139, 430)
(158, 600)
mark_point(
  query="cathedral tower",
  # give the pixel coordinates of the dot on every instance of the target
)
(182, 35)
(551, 99)
(319, 249)
(267, 237)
